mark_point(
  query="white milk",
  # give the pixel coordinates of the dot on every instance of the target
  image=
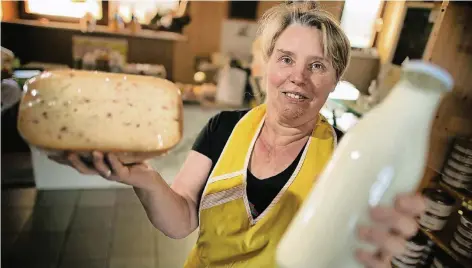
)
(382, 155)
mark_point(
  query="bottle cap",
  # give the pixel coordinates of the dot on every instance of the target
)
(430, 69)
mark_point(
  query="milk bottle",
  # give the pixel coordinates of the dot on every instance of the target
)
(382, 155)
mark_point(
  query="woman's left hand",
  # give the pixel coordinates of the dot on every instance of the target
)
(393, 227)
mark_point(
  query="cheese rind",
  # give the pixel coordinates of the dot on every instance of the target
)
(137, 117)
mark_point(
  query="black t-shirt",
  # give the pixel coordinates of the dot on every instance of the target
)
(211, 141)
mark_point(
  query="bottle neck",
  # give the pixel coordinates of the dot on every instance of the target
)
(414, 98)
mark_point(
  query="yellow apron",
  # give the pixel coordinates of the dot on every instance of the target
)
(228, 235)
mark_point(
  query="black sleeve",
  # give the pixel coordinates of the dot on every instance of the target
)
(213, 137)
(202, 143)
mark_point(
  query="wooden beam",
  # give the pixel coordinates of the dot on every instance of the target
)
(418, 4)
(428, 52)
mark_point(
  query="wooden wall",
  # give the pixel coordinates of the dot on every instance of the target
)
(264, 6)
(333, 7)
(454, 116)
(203, 35)
(9, 10)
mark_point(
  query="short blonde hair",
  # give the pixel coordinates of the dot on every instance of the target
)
(335, 43)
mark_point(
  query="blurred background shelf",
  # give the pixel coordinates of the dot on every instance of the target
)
(101, 29)
(464, 195)
(443, 237)
(353, 107)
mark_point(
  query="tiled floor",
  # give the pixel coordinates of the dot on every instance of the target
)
(83, 228)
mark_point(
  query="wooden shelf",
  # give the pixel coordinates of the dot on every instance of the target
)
(460, 194)
(463, 195)
(443, 237)
(147, 34)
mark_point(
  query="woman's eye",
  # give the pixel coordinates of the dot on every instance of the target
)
(286, 60)
(316, 66)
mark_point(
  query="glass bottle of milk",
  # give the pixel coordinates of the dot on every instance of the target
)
(382, 155)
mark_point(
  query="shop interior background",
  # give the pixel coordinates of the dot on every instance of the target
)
(54, 217)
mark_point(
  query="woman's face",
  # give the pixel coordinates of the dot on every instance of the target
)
(299, 77)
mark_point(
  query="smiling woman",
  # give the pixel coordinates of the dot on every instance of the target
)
(302, 73)
(249, 171)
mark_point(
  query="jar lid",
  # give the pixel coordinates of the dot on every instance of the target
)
(463, 238)
(452, 162)
(458, 155)
(466, 218)
(463, 150)
(442, 218)
(456, 184)
(419, 66)
(439, 196)
(407, 260)
(398, 263)
(457, 174)
(458, 248)
(413, 254)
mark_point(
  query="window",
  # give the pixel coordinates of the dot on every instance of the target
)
(358, 21)
(73, 10)
(144, 11)
(64, 8)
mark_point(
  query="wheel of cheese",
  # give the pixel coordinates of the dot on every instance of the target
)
(136, 117)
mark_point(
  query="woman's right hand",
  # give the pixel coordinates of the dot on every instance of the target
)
(139, 175)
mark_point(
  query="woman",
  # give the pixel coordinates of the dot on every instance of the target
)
(249, 171)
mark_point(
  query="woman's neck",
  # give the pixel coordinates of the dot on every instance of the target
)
(279, 134)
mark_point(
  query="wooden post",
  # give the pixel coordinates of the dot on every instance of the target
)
(434, 33)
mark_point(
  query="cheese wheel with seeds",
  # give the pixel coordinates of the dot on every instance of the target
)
(136, 117)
